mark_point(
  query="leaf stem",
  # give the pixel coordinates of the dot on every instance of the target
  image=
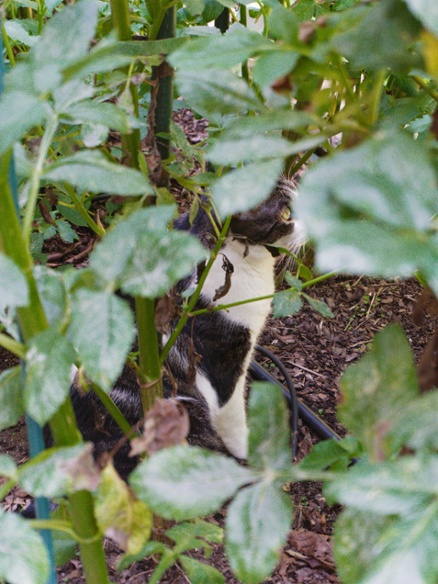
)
(13, 346)
(78, 205)
(37, 172)
(425, 86)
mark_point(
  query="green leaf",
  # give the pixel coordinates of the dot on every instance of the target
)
(93, 172)
(150, 257)
(187, 482)
(8, 468)
(426, 12)
(246, 187)
(188, 535)
(269, 435)
(293, 281)
(49, 359)
(213, 92)
(416, 426)
(283, 24)
(103, 114)
(23, 555)
(319, 306)
(56, 472)
(93, 135)
(66, 232)
(52, 292)
(310, 9)
(17, 31)
(286, 303)
(119, 515)
(200, 573)
(19, 112)
(387, 550)
(257, 524)
(219, 52)
(102, 330)
(387, 27)
(11, 397)
(378, 387)
(333, 454)
(396, 487)
(370, 214)
(272, 66)
(65, 38)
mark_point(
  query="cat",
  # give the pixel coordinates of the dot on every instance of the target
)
(209, 362)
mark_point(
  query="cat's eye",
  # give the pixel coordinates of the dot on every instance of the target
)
(286, 214)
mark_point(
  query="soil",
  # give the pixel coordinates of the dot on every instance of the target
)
(315, 352)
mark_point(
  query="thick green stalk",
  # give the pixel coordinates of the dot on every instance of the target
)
(13, 346)
(151, 386)
(121, 22)
(163, 75)
(32, 321)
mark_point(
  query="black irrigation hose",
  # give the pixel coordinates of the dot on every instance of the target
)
(291, 397)
(299, 409)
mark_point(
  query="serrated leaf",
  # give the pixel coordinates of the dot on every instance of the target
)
(293, 281)
(52, 293)
(416, 425)
(13, 284)
(320, 306)
(377, 222)
(200, 573)
(272, 66)
(387, 550)
(104, 339)
(395, 487)
(19, 112)
(286, 303)
(257, 524)
(187, 482)
(150, 257)
(66, 232)
(119, 515)
(49, 359)
(17, 31)
(378, 387)
(65, 38)
(11, 397)
(8, 468)
(335, 454)
(246, 187)
(23, 555)
(93, 172)
(219, 52)
(269, 435)
(213, 92)
(184, 533)
(388, 27)
(56, 472)
(102, 114)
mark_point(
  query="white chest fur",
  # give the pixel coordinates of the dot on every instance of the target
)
(252, 277)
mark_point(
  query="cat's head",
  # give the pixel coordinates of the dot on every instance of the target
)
(272, 222)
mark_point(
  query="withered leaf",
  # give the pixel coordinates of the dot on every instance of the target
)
(166, 424)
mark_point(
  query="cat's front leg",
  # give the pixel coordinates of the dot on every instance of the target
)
(228, 420)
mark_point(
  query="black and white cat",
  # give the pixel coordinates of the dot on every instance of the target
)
(209, 362)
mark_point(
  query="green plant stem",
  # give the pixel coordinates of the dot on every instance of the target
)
(149, 360)
(113, 410)
(78, 205)
(6, 487)
(121, 22)
(8, 47)
(426, 87)
(244, 21)
(376, 97)
(13, 346)
(37, 172)
(32, 321)
(194, 298)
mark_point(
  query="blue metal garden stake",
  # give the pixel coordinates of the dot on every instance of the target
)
(34, 430)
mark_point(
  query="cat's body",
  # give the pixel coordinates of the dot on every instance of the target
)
(209, 362)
